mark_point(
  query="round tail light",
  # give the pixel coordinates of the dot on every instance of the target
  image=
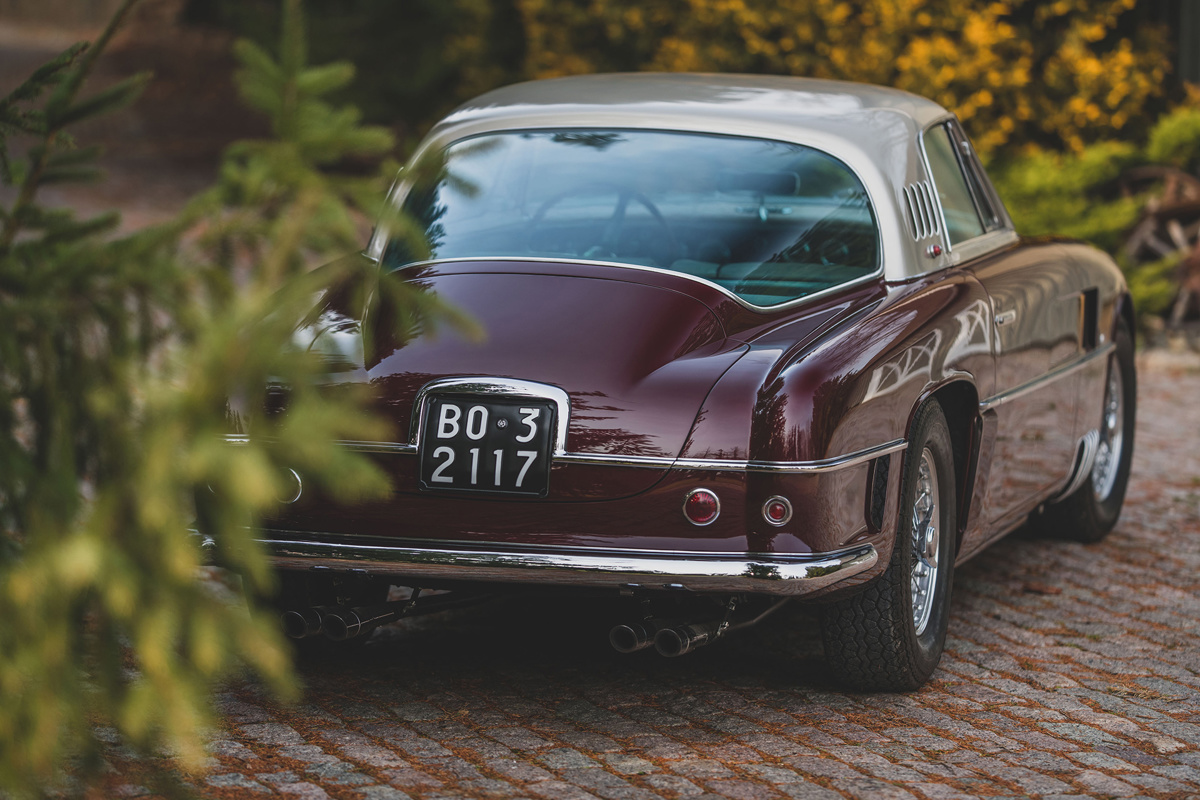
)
(701, 507)
(777, 510)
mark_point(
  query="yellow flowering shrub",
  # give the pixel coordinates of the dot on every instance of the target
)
(1062, 73)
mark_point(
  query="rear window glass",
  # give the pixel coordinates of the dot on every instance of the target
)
(768, 221)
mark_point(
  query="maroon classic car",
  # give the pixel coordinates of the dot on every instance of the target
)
(747, 340)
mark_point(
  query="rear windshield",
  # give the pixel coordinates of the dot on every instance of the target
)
(768, 221)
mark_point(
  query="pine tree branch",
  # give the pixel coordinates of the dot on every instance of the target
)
(58, 103)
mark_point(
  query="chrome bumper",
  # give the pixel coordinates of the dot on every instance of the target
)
(759, 573)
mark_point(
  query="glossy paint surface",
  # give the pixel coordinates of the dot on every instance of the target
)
(674, 384)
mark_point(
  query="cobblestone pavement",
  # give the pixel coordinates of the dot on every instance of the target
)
(1070, 671)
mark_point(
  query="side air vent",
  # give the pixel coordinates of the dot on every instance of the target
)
(877, 497)
(922, 213)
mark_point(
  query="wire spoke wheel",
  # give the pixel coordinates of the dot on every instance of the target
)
(926, 541)
(1112, 436)
(890, 635)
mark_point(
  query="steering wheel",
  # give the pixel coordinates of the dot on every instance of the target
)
(610, 237)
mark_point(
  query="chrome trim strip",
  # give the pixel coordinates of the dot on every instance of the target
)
(877, 274)
(736, 465)
(607, 460)
(995, 401)
(828, 464)
(395, 448)
(653, 462)
(505, 387)
(760, 573)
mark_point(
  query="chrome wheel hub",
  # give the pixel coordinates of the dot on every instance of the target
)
(1112, 435)
(926, 542)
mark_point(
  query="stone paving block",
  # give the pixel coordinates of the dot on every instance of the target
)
(228, 748)
(382, 793)
(309, 753)
(773, 774)
(234, 780)
(489, 787)
(822, 767)
(278, 778)
(731, 753)
(809, 791)
(1105, 785)
(422, 748)
(271, 733)
(442, 729)
(417, 712)
(920, 739)
(626, 764)
(742, 790)
(810, 736)
(482, 748)
(1179, 772)
(1044, 742)
(409, 778)
(1184, 731)
(1080, 733)
(594, 742)
(518, 738)
(566, 758)
(304, 791)
(1030, 781)
(871, 789)
(371, 754)
(940, 791)
(658, 746)
(559, 790)
(1104, 761)
(700, 768)
(772, 745)
(673, 786)
(517, 770)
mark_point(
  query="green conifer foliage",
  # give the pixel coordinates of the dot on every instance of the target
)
(123, 364)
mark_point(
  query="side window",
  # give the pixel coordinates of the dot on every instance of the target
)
(985, 196)
(958, 206)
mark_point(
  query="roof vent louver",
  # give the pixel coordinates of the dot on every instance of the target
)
(922, 213)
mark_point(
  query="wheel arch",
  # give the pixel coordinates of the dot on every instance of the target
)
(959, 400)
(1125, 314)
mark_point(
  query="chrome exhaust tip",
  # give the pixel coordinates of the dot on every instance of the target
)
(681, 640)
(341, 624)
(631, 638)
(301, 623)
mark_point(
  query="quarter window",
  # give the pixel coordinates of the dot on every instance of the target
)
(958, 207)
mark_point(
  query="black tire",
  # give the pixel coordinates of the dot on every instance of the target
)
(884, 638)
(1091, 511)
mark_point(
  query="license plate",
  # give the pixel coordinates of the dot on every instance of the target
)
(487, 444)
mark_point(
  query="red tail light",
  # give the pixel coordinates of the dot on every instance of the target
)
(701, 507)
(777, 510)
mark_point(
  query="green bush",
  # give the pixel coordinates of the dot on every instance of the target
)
(1077, 195)
(118, 359)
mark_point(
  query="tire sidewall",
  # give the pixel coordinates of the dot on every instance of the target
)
(1105, 512)
(931, 432)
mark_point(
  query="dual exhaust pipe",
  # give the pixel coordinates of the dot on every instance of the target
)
(672, 639)
(342, 623)
(338, 622)
(669, 640)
